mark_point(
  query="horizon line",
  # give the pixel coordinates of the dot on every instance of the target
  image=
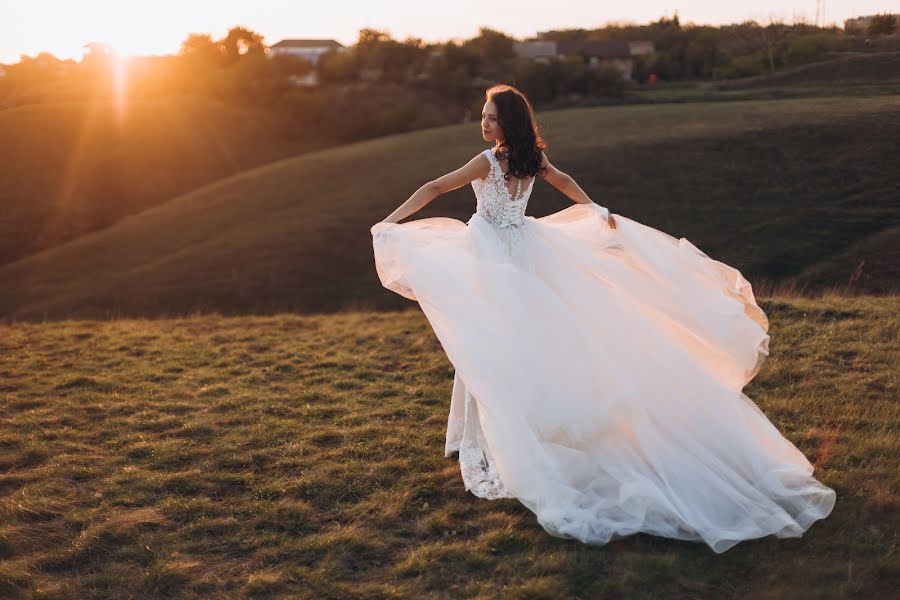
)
(439, 40)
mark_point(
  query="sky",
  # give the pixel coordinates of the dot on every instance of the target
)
(62, 27)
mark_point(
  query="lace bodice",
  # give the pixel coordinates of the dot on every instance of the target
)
(495, 203)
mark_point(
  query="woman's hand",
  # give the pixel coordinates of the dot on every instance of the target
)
(604, 213)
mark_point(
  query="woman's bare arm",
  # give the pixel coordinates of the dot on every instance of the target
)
(478, 167)
(565, 184)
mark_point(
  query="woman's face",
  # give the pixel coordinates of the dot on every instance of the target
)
(490, 127)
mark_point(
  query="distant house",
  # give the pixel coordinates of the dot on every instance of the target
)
(861, 24)
(539, 51)
(620, 54)
(310, 50)
(98, 50)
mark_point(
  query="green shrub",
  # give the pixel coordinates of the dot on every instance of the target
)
(810, 48)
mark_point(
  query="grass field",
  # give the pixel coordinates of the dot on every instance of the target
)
(783, 190)
(302, 456)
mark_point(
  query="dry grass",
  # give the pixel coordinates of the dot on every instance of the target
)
(302, 456)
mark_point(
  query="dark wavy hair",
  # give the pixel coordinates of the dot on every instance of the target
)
(522, 138)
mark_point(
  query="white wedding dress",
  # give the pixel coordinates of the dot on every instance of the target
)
(599, 373)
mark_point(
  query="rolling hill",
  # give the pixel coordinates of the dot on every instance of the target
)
(71, 168)
(851, 68)
(771, 187)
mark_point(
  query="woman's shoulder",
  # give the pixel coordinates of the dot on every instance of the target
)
(491, 157)
(483, 163)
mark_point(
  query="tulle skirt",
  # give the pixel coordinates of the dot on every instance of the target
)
(600, 371)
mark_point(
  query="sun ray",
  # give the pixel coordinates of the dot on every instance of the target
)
(120, 86)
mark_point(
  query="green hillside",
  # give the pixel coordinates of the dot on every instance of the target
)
(844, 74)
(301, 456)
(852, 68)
(773, 188)
(71, 168)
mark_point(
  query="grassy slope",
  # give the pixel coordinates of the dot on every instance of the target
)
(852, 68)
(226, 457)
(849, 74)
(770, 187)
(71, 168)
(874, 263)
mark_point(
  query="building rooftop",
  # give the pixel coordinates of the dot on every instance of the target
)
(308, 43)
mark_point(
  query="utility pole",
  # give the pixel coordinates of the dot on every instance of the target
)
(820, 12)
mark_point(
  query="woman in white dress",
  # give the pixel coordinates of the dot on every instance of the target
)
(599, 363)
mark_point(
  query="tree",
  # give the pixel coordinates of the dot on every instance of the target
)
(807, 48)
(286, 65)
(337, 67)
(462, 59)
(371, 37)
(200, 47)
(492, 45)
(577, 74)
(368, 47)
(882, 24)
(703, 55)
(773, 35)
(540, 81)
(669, 59)
(391, 60)
(495, 52)
(241, 41)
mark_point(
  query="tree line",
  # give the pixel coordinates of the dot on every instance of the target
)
(382, 85)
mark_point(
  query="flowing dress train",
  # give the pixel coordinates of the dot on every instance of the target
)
(599, 373)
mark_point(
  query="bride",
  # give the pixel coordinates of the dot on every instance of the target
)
(599, 363)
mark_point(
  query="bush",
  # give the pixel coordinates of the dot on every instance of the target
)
(746, 66)
(539, 81)
(810, 48)
(337, 67)
(577, 75)
(663, 63)
(883, 24)
(607, 81)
